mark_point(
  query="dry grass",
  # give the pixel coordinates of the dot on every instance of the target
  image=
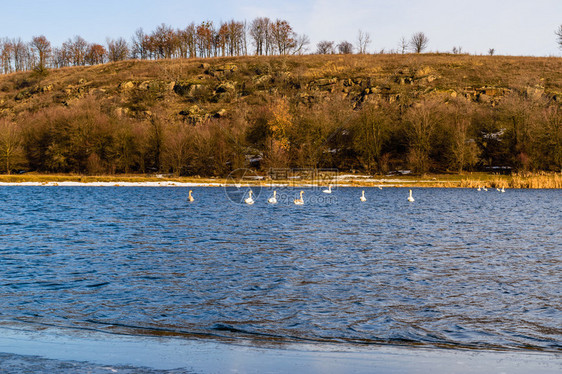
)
(541, 180)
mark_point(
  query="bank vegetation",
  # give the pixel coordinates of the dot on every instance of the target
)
(367, 114)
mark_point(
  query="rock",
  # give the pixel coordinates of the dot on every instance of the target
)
(227, 67)
(262, 79)
(47, 88)
(120, 112)
(187, 89)
(194, 114)
(325, 81)
(222, 97)
(144, 85)
(194, 109)
(221, 70)
(204, 65)
(126, 85)
(483, 98)
(405, 80)
(535, 92)
(22, 95)
(226, 87)
(424, 71)
(220, 113)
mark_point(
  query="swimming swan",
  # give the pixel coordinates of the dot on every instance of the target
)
(503, 189)
(300, 200)
(363, 198)
(190, 198)
(410, 198)
(479, 189)
(273, 199)
(329, 190)
(249, 200)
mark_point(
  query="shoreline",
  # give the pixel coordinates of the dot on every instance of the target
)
(550, 181)
(53, 349)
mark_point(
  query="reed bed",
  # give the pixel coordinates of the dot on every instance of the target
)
(523, 180)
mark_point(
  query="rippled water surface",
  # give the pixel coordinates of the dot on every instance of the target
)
(456, 268)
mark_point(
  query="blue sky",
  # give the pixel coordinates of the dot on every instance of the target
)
(514, 27)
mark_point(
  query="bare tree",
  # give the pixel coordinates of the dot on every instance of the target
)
(260, 34)
(301, 44)
(491, 51)
(325, 47)
(422, 121)
(10, 142)
(187, 41)
(283, 36)
(76, 49)
(6, 53)
(363, 41)
(20, 53)
(559, 35)
(61, 57)
(42, 47)
(96, 54)
(419, 42)
(139, 45)
(164, 42)
(345, 48)
(117, 50)
(205, 38)
(403, 45)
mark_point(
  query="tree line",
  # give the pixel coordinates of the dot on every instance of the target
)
(267, 37)
(435, 133)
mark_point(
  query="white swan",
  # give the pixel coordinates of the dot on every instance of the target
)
(410, 198)
(485, 189)
(249, 200)
(503, 189)
(479, 189)
(190, 198)
(273, 199)
(380, 187)
(363, 198)
(300, 200)
(329, 190)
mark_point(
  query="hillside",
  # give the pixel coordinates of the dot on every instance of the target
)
(374, 113)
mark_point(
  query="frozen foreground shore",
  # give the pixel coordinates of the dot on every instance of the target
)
(48, 351)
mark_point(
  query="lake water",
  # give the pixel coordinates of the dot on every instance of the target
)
(456, 268)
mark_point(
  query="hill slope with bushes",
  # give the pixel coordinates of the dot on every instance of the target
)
(368, 113)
